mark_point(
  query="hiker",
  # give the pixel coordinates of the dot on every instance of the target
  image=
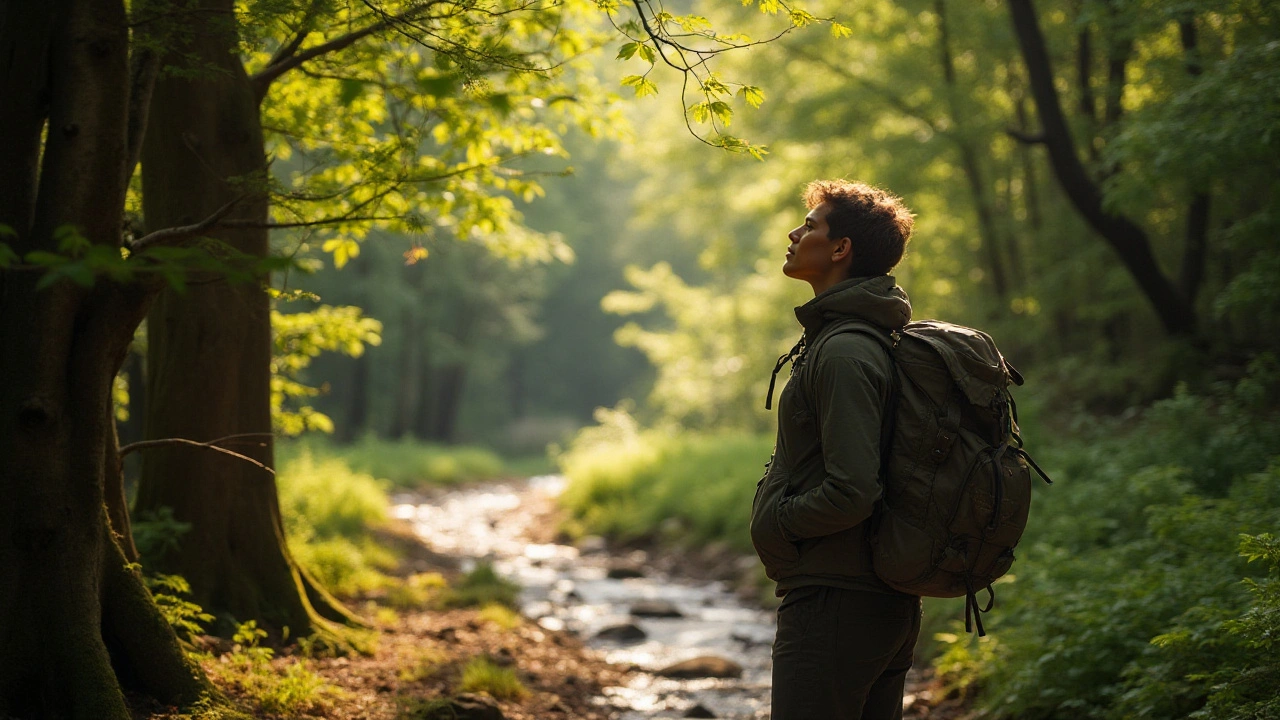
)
(845, 639)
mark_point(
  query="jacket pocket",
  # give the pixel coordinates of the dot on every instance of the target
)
(775, 551)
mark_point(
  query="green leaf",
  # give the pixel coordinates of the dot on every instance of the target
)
(752, 94)
(701, 112)
(350, 90)
(70, 241)
(722, 111)
(6, 231)
(648, 53)
(7, 256)
(642, 85)
(628, 51)
(48, 259)
(343, 250)
(840, 30)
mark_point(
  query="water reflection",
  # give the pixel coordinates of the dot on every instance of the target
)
(566, 589)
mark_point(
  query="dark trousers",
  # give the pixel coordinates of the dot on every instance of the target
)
(842, 654)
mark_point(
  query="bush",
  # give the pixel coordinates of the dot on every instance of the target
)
(328, 510)
(1130, 596)
(407, 463)
(483, 675)
(692, 487)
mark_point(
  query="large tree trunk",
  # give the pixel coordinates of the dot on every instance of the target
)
(76, 623)
(1128, 240)
(209, 347)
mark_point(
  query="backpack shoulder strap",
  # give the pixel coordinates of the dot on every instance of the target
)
(888, 340)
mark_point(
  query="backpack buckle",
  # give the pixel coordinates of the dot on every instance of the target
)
(896, 337)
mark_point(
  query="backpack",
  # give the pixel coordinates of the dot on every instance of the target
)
(957, 483)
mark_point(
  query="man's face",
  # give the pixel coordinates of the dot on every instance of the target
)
(809, 255)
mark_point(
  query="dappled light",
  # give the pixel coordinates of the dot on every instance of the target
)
(601, 360)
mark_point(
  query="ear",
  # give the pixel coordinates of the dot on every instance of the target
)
(841, 250)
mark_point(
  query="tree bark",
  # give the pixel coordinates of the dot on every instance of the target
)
(1128, 240)
(209, 347)
(65, 590)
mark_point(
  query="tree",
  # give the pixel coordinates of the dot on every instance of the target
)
(1124, 235)
(74, 614)
(430, 101)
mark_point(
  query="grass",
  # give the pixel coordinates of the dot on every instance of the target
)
(328, 511)
(689, 488)
(294, 691)
(480, 587)
(482, 675)
(406, 463)
(501, 616)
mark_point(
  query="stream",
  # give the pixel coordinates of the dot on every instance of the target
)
(568, 588)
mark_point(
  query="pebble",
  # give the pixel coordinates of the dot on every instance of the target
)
(703, 667)
(655, 608)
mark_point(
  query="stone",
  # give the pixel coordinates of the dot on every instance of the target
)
(655, 608)
(706, 666)
(624, 572)
(699, 711)
(627, 632)
(467, 707)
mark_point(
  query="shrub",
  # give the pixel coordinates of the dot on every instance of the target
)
(408, 463)
(483, 675)
(692, 487)
(482, 586)
(328, 510)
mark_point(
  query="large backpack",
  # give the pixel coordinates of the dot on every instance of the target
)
(957, 483)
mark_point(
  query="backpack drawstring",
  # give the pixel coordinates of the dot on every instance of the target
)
(795, 353)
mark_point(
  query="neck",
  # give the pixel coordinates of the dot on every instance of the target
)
(821, 285)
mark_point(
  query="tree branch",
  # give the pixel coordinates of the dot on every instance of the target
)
(210, 445)
(288, 57)
(1128, 239)
(182, 232)
(1027, 138)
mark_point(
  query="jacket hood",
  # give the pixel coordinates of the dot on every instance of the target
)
(877, 300)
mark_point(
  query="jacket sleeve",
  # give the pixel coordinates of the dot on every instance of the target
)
(849, 404)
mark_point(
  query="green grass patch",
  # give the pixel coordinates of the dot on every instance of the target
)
(688, 488)
(480, 587)
(500, 615)
(406, 463)
(482, 675)
(328, 510)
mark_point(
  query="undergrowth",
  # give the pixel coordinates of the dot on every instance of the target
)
(405, 463)
(482, 675)
(686, 488)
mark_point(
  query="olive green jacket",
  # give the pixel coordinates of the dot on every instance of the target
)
(822, 483)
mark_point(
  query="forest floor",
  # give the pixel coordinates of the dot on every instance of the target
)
(421, 660)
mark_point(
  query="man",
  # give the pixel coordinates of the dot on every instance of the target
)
(845, 639)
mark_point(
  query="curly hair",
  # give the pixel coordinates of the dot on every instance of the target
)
(877, 222)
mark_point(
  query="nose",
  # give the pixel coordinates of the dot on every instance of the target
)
(794, 235)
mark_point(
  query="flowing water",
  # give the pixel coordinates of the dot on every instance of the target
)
(568, 588)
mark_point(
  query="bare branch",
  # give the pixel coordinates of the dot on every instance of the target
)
(210, 445)
(1027, 138)
(288, 49)
(288, 57)
(182, 232)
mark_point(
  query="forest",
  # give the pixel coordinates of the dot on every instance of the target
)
(305, 303)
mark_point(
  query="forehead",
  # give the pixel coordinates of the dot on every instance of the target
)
(819, 212)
